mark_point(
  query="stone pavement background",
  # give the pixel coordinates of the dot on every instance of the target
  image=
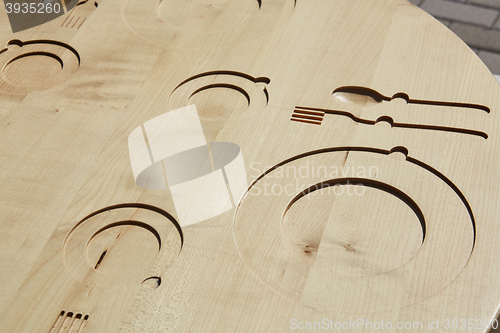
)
(476, 22)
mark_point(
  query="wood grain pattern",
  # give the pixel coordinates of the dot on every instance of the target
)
(367, 131)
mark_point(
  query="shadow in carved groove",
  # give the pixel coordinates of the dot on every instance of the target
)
(343, 93)
(315, 116)
(79, 14)
(32, 65)
(397, 149)
(299, 276)
(69, 322)
(257, 80)
(132, 229)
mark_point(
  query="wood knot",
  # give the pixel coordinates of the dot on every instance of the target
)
(349, 248)
(308, 249)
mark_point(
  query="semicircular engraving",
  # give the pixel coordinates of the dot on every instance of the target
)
(35, 65)
(221, 95)
(122, 245)
(342, 243)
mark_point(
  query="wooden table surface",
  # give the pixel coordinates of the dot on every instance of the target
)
(364, 130)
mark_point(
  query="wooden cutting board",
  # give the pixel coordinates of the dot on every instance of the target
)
(247, 166)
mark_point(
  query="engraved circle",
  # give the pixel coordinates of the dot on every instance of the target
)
(122, 245)
(204, 24)
(203, 16)
(31, 70)
(116, 248)
(332, 229)
(448, 241)
(35, 65)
